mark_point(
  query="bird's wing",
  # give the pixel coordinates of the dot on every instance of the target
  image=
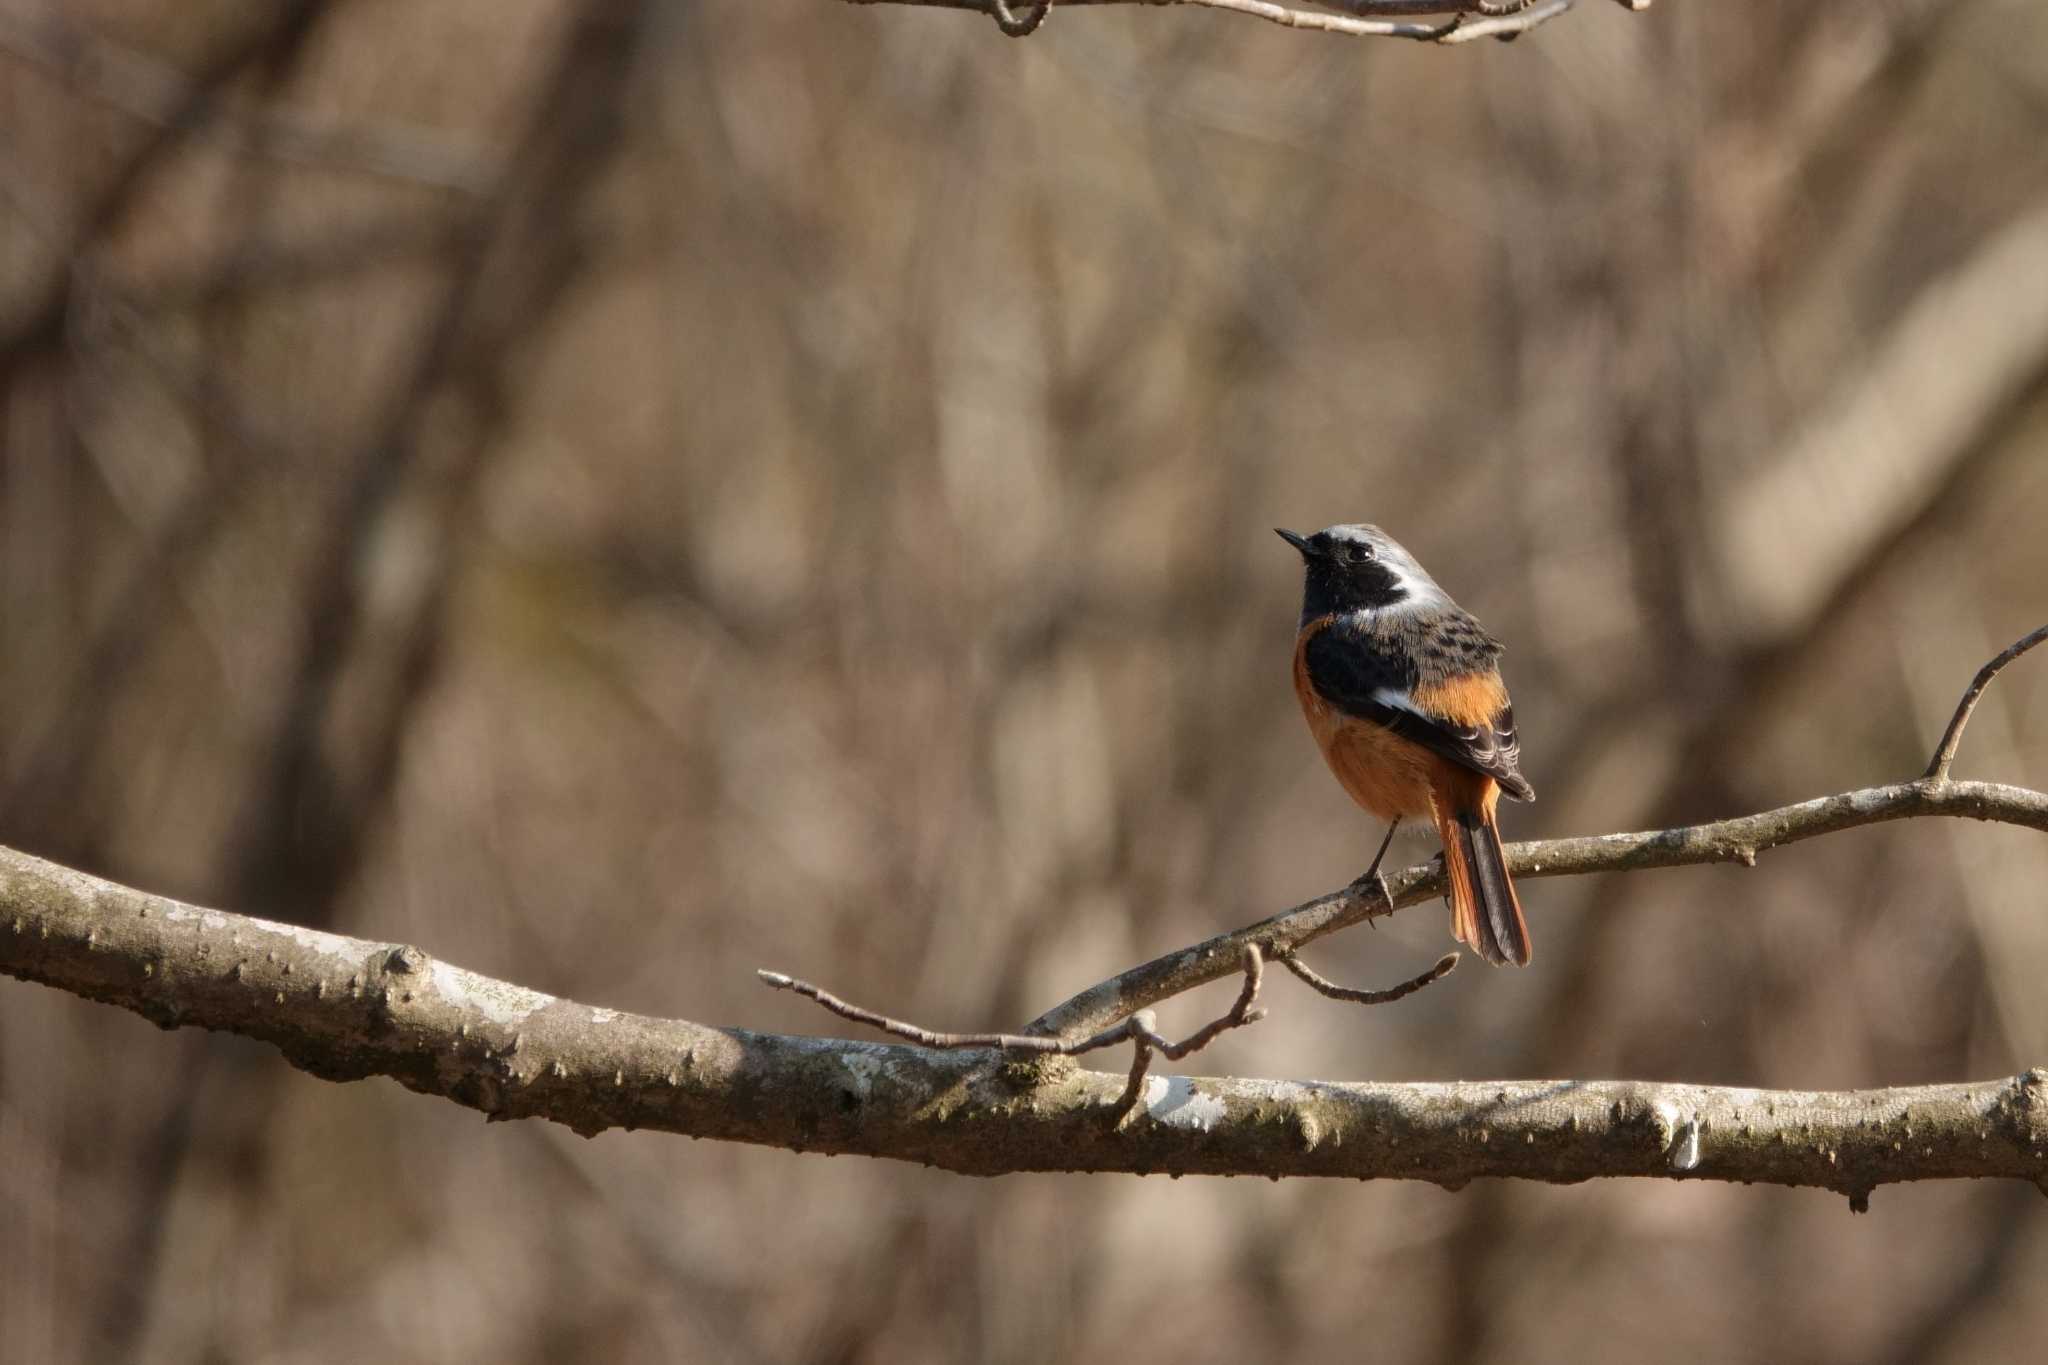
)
(1373, 679)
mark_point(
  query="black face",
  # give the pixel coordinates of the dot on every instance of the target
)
(1343, 575)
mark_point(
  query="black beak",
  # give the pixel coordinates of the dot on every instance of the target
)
(1297, 540)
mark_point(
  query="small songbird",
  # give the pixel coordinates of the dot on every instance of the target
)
(1403, 692)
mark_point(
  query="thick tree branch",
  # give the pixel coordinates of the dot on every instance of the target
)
(344, 1008)
(1427, 21)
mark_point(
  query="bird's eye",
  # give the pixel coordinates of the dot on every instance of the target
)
(1357, 554)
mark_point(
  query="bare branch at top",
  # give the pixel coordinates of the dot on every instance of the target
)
(1427, 21)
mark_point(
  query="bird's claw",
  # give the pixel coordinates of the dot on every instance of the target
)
(1375, 880)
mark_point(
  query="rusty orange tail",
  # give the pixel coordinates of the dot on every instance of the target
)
(1485, 911)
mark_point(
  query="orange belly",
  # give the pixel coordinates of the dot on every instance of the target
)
(1384, 773)
(1390, 776)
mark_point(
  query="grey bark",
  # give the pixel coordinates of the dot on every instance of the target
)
(344, 1008)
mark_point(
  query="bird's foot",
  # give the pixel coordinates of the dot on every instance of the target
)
(1374, 881)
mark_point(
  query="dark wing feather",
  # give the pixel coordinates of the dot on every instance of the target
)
(1348, 667)
(1507, 768)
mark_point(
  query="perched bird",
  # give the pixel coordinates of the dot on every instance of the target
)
(1403, 692)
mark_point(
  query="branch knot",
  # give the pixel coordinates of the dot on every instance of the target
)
(1015, 25)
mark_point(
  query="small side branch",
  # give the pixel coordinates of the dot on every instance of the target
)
(1322, 985)
(1145, 1041)
(1140, 1029)
(1951, 738)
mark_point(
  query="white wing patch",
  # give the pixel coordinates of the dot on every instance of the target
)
(1400, 701)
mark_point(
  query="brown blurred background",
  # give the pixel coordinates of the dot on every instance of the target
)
(620, 494)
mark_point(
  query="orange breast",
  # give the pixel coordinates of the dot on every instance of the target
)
(1384, 773)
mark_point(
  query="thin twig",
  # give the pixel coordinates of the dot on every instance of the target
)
(1945, 752)
(1145, 1041)
(1323, 985)
(1739, 840)
(923, 1037)
(1241, 1013)
(1140, 1028)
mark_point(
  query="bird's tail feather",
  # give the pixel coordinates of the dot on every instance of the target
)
(1485, 911)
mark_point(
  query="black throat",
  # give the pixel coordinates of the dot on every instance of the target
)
(1333, 588)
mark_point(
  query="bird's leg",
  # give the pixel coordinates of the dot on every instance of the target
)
(1372, 874)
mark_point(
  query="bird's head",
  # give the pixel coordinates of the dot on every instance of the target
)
(1355, 566)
